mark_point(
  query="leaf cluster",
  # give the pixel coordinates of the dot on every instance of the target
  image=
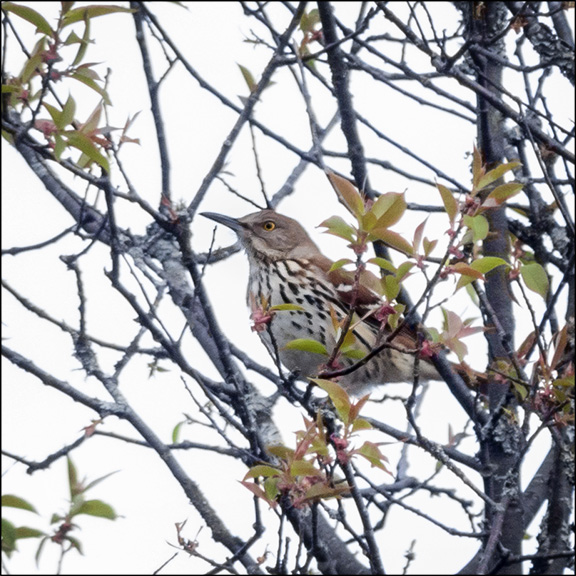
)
(306, 474)
(50, 62)
(78, 505)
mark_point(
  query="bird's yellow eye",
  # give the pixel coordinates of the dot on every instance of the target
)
(269, 225)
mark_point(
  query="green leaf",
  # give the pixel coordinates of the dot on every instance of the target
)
(59, 146)
(56, 518)
(469, 274)
(269, 495)
(40, 548)
(372, 453)
(87, 70)
(392, 239)
(306, 345)
(340, 263)
(280, 451)
(68, 112)
(388, 209)
(91, 125)
(357, 407)
(417, 238)
(304, 51)
(361, 424)
(390, 287)
(271, 491)
(479, 226)
(384, 264)
(428, 246)
(502, 193)
(55, 114)
(83, 44)
(497, 173)
(262, 470)
(560, 343)
(403, 270)
(468, 270)
(73, 38)
(477, 168)
(85, 145)
(29, 15)
(488, 263)
(97, 481)
(308, 21)
(338, 395)
(78, 14)
(72, 479)
(8, 537)
(339, 227)
(564, 382)
(84, 75)
(176, 431)
(321, 491)
(11, 89)
(535, 278)
(349, 341)
(450, 203)
(248, 78)
(74, 542)
(347, 194)
(521, 390)
(293, 307)
(66, 7)
(303, 468)
(97, 508)
(27, 532)
(16, 502)
(31, 67)
(354, 353)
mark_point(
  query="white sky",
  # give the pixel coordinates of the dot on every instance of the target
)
(37, 421)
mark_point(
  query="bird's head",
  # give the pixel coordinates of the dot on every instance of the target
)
(268, 235)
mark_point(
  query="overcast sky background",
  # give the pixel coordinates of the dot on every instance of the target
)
(37, 421)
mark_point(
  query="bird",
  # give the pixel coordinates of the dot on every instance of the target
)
(301, 305)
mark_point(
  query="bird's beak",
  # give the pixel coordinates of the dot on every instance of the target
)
(232, 223)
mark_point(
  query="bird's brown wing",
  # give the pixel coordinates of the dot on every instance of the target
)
(365, 295)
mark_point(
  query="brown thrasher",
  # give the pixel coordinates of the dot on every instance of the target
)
(294, 295)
